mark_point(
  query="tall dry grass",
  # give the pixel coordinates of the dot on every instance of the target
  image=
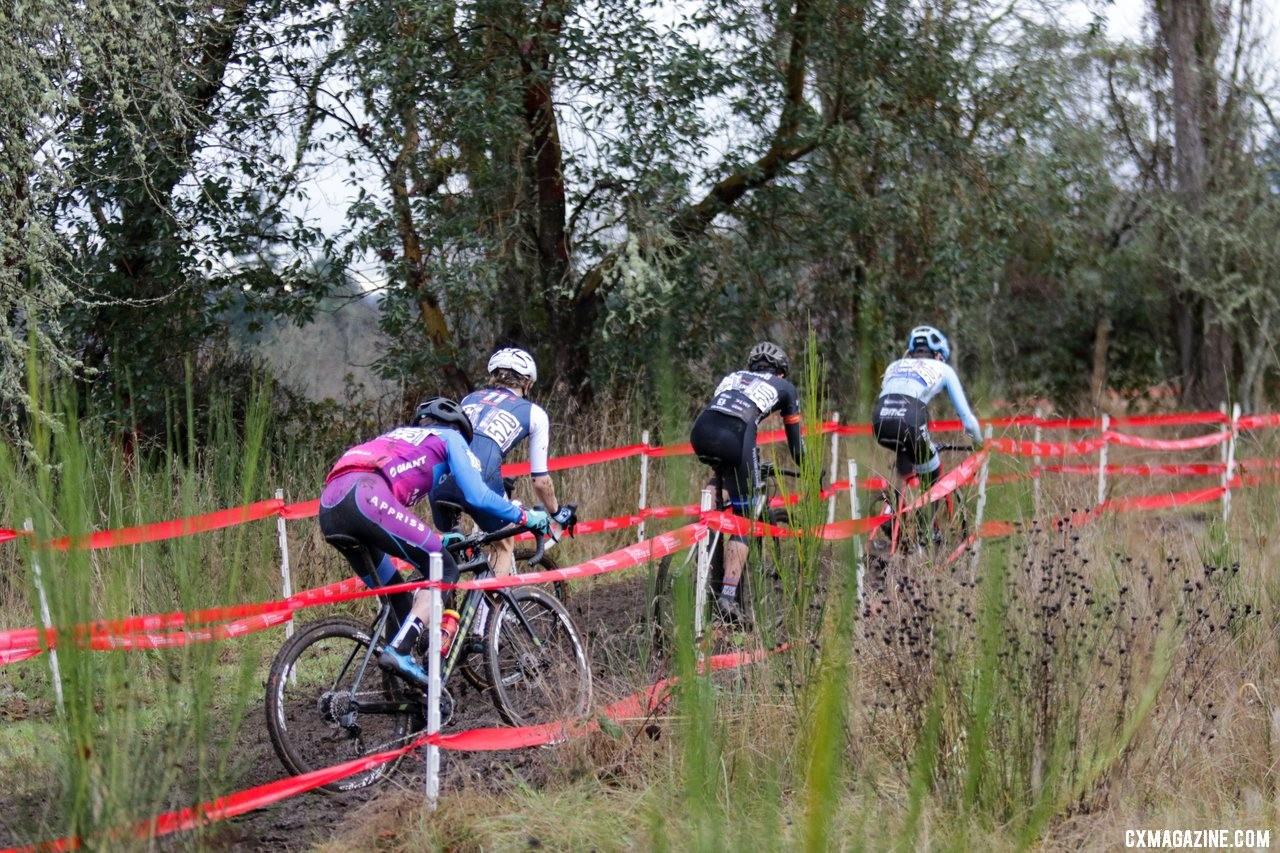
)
(1076, 682)
(95, 740)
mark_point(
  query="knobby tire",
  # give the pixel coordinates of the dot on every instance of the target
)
(473, 664)
(311, 718)
(537, 665)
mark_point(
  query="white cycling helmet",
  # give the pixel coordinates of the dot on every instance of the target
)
(516, 360)
(930, 337)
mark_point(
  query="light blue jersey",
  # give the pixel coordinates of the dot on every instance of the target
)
(922, 379)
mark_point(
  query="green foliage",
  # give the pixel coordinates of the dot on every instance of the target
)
(583, 178)
(181, 727)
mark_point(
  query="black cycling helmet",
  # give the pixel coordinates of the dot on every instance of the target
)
(446, 412)
(769, 356)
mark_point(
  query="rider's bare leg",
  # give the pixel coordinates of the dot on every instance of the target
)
(502, 556)
(411, 628)
(735, 560)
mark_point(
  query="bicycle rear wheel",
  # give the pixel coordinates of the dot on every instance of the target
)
(537, 665)
(324, 706)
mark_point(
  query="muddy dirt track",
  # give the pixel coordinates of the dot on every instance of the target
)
(609, 617)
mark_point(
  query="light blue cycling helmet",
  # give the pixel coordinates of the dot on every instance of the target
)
(928, 336)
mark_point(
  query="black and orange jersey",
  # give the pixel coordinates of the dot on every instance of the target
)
(752, 395)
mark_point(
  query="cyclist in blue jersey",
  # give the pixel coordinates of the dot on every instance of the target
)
(900, 421)
(502, 416)
(367, 496)
(724, 436)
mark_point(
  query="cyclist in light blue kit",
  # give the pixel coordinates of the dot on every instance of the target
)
(900, 421)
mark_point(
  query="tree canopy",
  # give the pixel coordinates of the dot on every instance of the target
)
(610, 183)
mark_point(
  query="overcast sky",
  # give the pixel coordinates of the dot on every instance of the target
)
(330, 194)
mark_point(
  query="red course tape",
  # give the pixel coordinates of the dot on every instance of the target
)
(640, 704)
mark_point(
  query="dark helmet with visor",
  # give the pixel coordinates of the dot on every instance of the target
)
(445, 412)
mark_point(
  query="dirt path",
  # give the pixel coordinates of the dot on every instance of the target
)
(609, 614)
(609, 619)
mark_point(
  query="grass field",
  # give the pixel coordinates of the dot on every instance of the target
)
(1074, 684)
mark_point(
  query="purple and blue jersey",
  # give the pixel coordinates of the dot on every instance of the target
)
(413, 459)
(368, 493)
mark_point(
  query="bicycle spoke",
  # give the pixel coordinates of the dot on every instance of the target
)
(326, 706)
(536, 661)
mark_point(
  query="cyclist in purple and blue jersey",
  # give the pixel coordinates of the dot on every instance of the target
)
(368, 495)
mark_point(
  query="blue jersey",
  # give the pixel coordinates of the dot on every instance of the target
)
(502, 419)
(922, 379)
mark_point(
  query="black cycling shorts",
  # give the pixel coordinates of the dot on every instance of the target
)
(352, 517)
(728, 444)
(901, 423)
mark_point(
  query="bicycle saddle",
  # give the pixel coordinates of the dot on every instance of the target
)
(349, 545)
(343, 542)
(450, 514)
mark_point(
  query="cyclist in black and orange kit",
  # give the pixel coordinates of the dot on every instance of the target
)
(724, 436)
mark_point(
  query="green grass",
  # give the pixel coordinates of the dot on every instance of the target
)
(963, 716)
(171, 714)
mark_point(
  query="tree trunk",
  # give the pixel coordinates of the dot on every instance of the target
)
(790, 142)
(570, 321)
(1098, 373)
(1192, 41)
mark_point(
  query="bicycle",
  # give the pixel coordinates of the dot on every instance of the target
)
(927, 530)
(527, 557)
(328, 701)
(759, 592)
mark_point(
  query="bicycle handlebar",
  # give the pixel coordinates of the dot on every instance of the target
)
(954, 448)
(458, 547)
(476, 540)
(768, 469)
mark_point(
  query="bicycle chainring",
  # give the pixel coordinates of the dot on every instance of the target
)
(446, 708)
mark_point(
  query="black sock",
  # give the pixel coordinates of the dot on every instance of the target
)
(408, 635)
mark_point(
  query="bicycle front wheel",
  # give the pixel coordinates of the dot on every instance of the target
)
(559, 589)
(326, 706)
(537, 665)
